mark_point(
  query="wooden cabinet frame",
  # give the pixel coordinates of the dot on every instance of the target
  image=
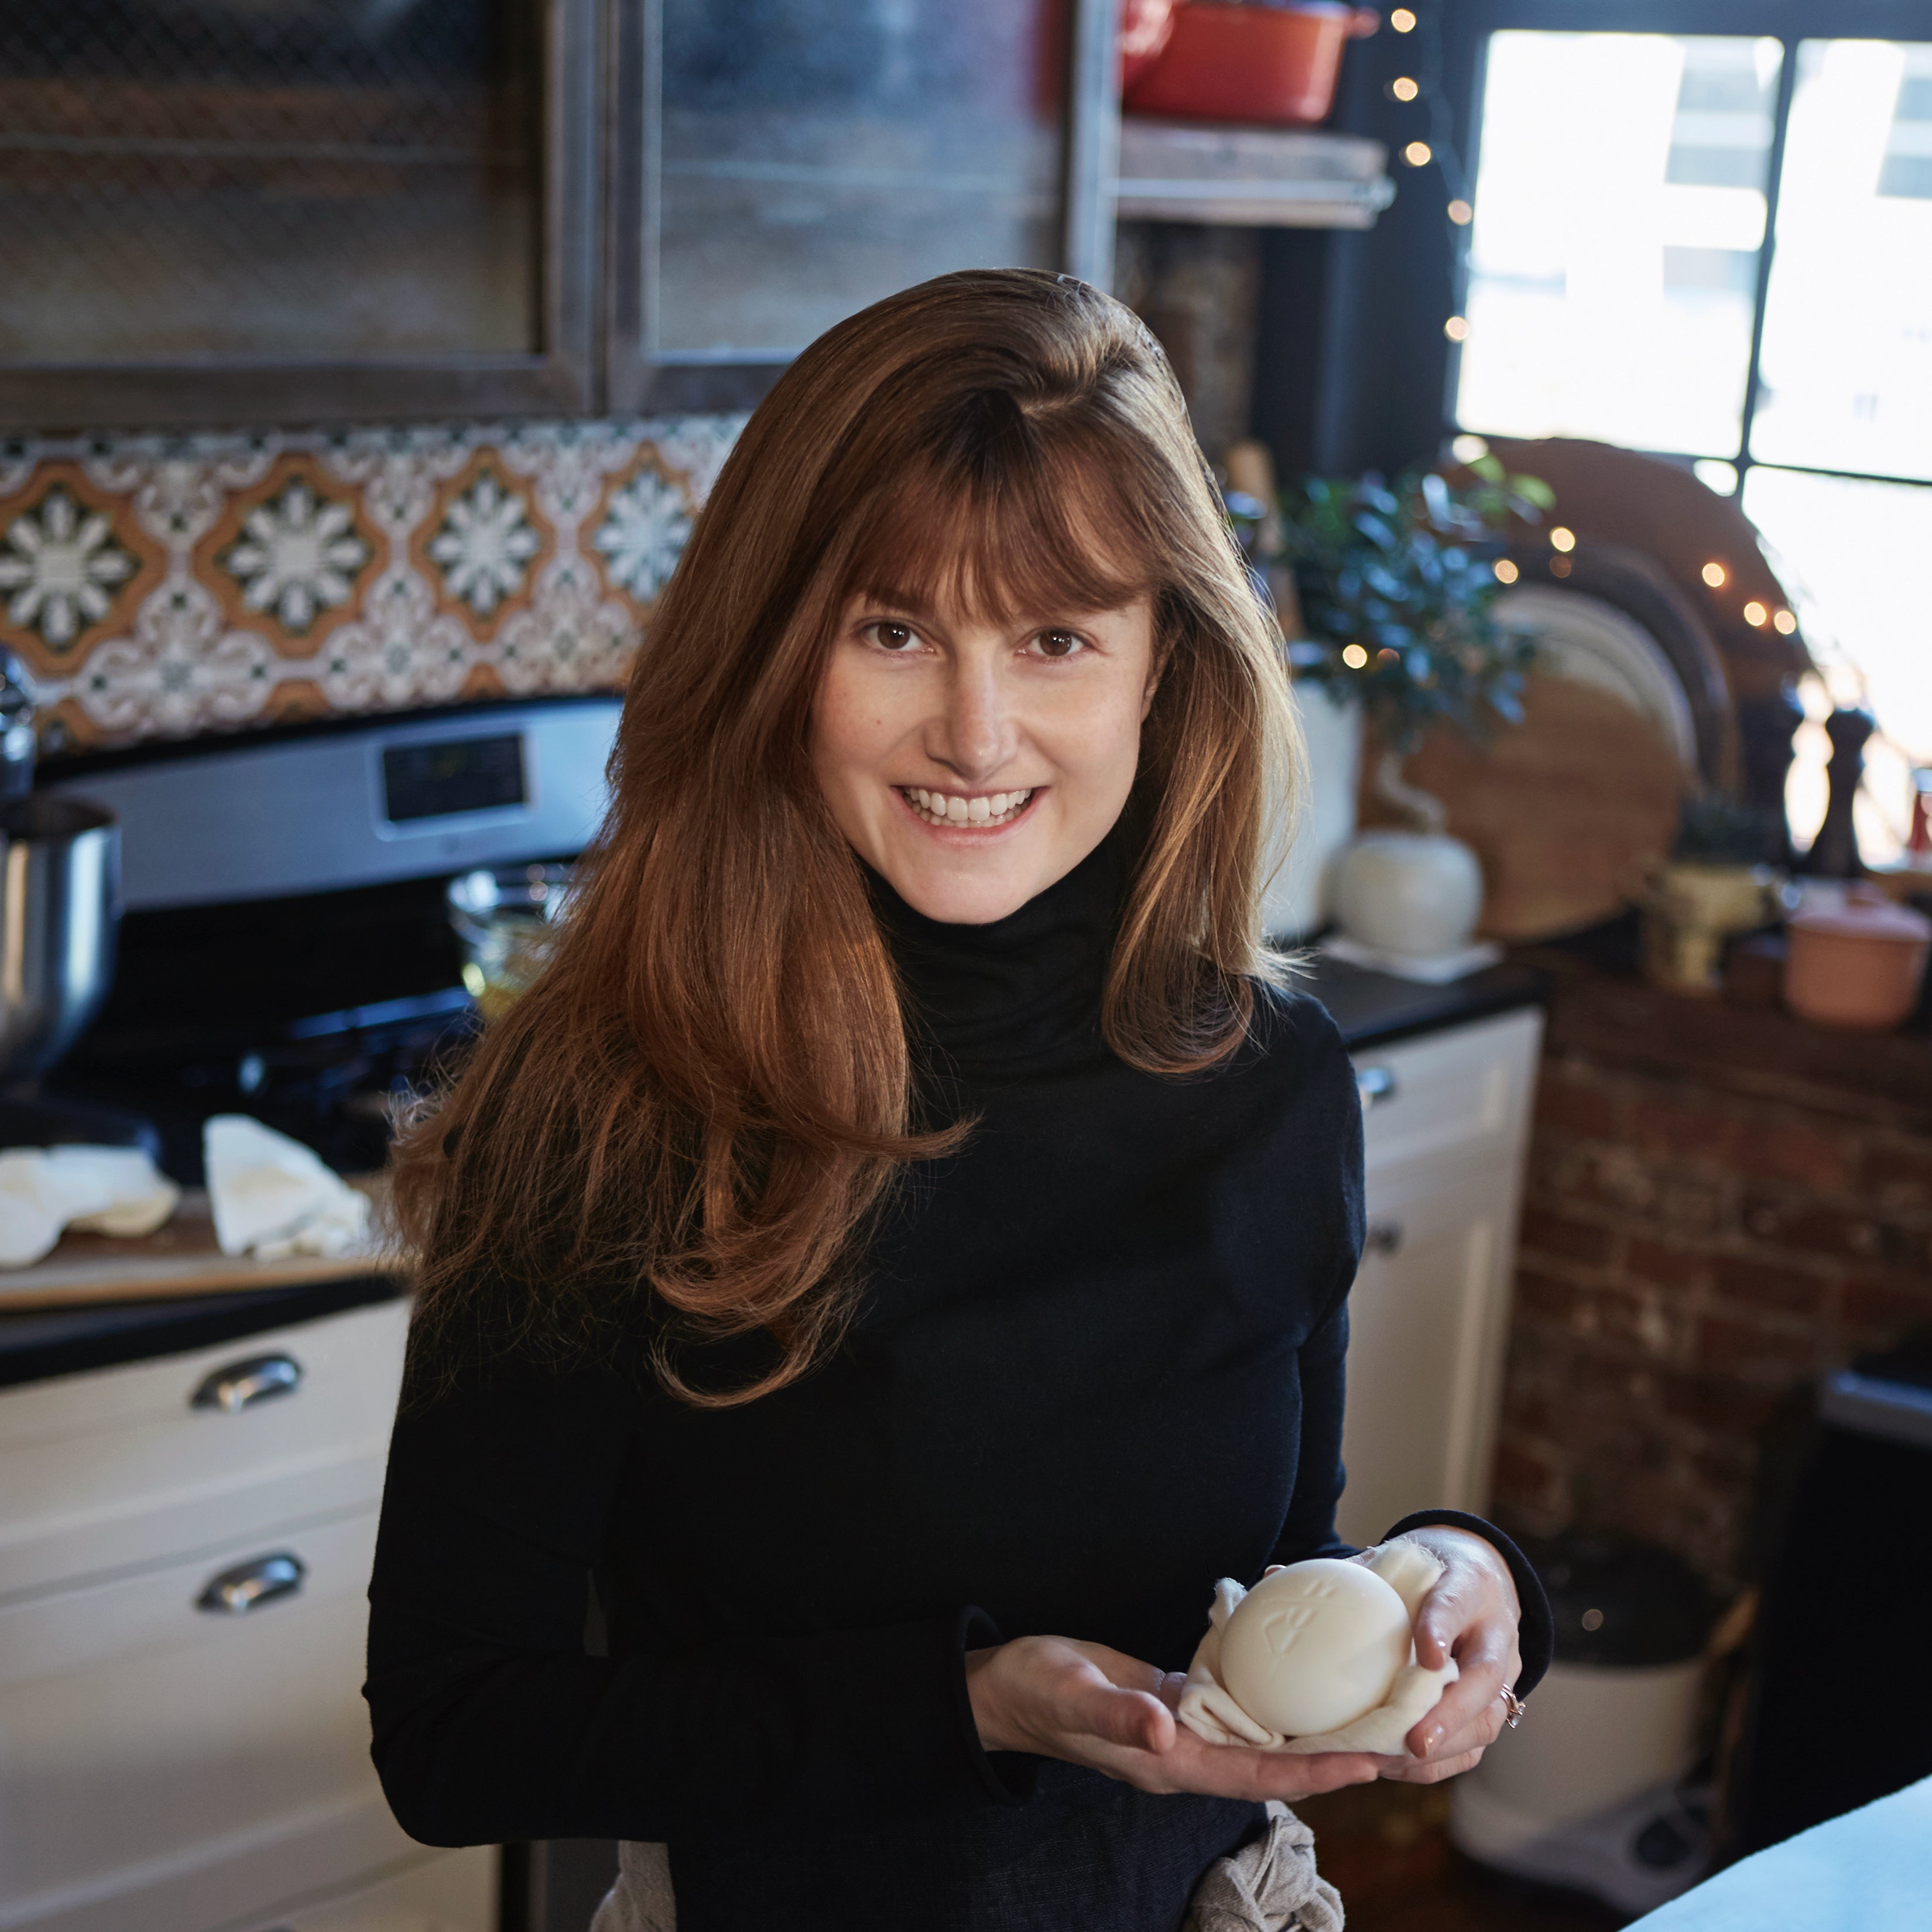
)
(560, 379)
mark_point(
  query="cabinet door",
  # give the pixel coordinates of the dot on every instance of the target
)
(236, 210)
(777, 165)
(1427, 1318)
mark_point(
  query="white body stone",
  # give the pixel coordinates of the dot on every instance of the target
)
(1315, 1646)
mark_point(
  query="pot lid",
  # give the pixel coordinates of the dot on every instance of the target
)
(1864, 919)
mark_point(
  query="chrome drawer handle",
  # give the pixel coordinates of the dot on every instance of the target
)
(1384, 1237)
(249, 1585)
(241, 1384)
(1375, 1085)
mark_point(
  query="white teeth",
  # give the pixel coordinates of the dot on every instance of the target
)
(940, 808)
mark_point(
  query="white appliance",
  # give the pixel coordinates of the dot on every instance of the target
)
(1592, 1791)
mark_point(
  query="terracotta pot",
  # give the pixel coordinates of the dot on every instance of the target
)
(1858, 965)
(1268, 64)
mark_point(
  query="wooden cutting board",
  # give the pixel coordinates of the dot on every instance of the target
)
(179, 1258)
(1566, 811)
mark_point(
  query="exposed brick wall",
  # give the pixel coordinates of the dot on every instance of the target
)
(1691, 1252)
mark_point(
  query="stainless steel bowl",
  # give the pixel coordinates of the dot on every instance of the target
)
(60, 918)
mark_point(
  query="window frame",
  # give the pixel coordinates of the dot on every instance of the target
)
(1788, 21)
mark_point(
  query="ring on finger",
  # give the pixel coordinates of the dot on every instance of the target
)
(1514, 1708)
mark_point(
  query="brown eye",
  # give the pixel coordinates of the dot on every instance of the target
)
(1057, 643)
(894, 636)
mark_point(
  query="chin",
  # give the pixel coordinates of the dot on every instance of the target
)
(965, 896)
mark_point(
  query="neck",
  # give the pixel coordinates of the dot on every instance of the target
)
(1020, 994)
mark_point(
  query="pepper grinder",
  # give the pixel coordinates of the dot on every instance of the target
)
(1834, 852)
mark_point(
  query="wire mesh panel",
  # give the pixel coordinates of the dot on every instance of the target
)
(268, 180)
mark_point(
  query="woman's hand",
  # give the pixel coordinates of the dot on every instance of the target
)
(1091, 1705)
(1470, 1615)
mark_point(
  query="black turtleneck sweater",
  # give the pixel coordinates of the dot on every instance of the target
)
(1098, 1364)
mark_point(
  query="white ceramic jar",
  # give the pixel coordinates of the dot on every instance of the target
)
(1415, 893)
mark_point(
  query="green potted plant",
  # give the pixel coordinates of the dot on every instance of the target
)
(1395, 584)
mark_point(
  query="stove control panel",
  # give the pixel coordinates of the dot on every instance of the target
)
(213, 820)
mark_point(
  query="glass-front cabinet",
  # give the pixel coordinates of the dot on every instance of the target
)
(236, 211)
(789, 161)
(226, 210)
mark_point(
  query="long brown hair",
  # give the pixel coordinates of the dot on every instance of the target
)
(691, 1118)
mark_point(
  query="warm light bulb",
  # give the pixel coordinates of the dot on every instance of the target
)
(1755, 613)
(1468, 449)
(1561, 566)
(1783, 622)
(1461, 213)
(1561, 538)
(1403, 88)
(1715, 574)
(1388, 655)
(1505, 570)
(1353, 656)
(1402, 20)
(1457, 328)
(1418, 154)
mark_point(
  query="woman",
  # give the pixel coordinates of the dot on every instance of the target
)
(895, 1258)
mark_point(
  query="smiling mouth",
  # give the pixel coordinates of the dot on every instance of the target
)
(969, 811)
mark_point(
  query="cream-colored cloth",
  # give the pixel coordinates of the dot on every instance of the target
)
(1210, 1712)
(1269, 1886)
(273, 1198)
(99, 1190)
(641, 1899)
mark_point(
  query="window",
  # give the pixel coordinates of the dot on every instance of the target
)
(1624, 208)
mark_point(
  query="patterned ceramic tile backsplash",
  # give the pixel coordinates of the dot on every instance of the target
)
(158, 586)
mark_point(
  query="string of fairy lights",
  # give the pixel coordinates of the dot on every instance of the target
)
(1422, 83)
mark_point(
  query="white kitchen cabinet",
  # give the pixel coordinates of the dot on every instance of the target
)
(1446, 1125)
(184, 1746)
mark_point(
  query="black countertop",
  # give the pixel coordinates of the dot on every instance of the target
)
(1372, 1009)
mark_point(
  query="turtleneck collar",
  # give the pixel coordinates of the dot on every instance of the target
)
(1023, 993)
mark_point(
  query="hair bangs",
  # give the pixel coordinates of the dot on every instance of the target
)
(1037, 532)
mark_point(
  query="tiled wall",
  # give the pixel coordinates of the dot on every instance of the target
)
(159, 586)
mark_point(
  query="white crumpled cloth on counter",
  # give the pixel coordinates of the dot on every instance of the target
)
(270, 1196)
(273, 1198)
(100, 1190)
(1210, 1712)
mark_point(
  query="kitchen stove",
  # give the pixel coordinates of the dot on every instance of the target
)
(286, 951)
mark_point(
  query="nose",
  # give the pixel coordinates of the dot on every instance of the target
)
(974, 733)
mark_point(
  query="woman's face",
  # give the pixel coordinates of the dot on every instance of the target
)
(972, 763)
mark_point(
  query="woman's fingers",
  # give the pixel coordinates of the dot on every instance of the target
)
(1430, 1771)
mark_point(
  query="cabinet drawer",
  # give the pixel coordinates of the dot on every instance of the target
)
(112, 1471)
(1461, 1093)
(144, 1742)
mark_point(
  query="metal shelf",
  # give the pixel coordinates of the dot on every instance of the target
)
(1249, 177)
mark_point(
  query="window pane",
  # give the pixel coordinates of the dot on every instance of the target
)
(182, 179)
(1847, 367)
(1855, 552)
(1619, 211)
(816, 156)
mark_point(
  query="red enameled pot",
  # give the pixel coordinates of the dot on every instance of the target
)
(1269, 64)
